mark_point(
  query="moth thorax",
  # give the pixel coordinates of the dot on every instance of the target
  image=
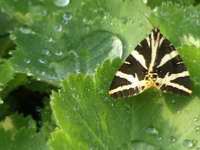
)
(150, 80)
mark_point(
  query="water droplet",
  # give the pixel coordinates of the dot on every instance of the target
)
(29, 74)
(42, 61)
(1, 101)
(50, 39)
(197, 129)
(189, 143)
(145, 1)
(26, 30)
(46, 52)
(194, 60)
(195, 119)
(152, 131)
(117, 47)
(172, 139)
(105, 17)
(10, 52)
(12, 37)
(82, 3)
(28, 61)
(66, 18)
(60, 53)
(61, 3)
(59, 28)
(84, 20)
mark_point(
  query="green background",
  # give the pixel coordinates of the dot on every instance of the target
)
(57, 61)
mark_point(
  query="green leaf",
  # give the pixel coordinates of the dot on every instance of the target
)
(91, 51)
(5, 42)
(177, 21)
(89, 118)
(123, 18)
(6, 72)
(53, 42)
(17, 133)
(59, 140)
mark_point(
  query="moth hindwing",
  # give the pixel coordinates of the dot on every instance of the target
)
(154, 63)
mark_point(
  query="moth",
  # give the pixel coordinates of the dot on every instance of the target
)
(154, 63)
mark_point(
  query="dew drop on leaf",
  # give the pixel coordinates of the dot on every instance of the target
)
(27, 61)
(46, 52)
(42, 61)
(1, 101)
(152, 131)
(189, 143)
(197, 129)
(29, 74)
(155, 9)
(26, 30)
(105, 17)
(12, 37)
(82, 3)
(84, 20)
(61, 3)
(195, 119)
(50, 39)
(59, 28)
(10, 52)
(66, 18)
(145, 1)
(59, 53)
(117, 48)
(172, 139)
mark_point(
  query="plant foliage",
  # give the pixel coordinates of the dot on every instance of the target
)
(57, 60)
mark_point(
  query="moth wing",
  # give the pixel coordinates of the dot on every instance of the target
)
(129, 79)
(172, 72)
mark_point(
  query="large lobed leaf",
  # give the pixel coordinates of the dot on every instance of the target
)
(89, 119)
(53, 42)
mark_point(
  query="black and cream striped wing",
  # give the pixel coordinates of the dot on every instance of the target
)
(172, 73)
(154, 63)
(129, 79)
